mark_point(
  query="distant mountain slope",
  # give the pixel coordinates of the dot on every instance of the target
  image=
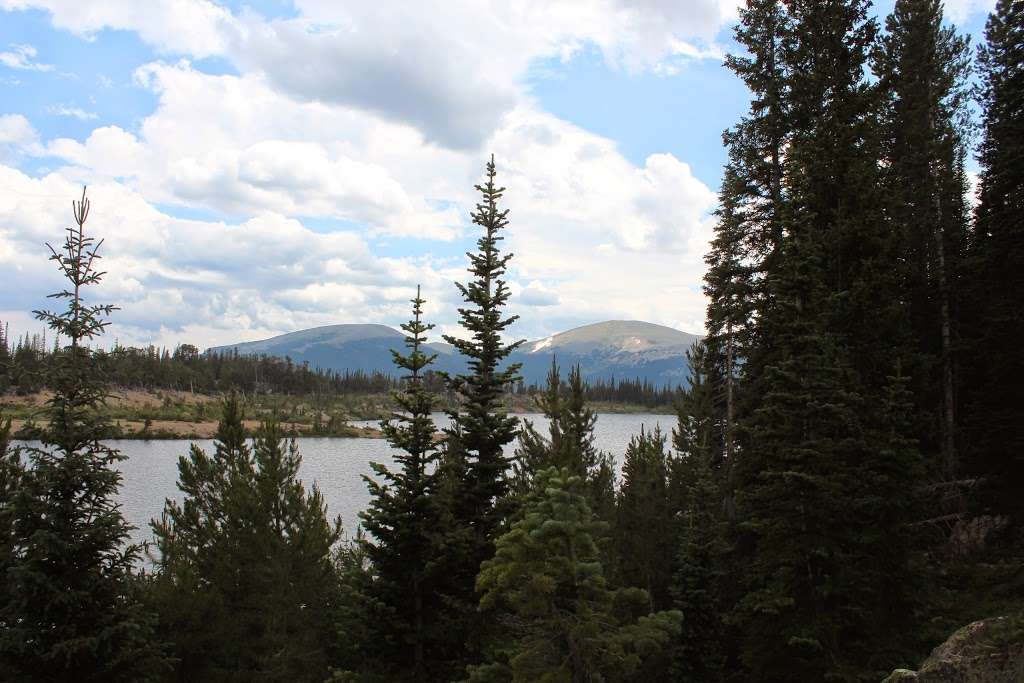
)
(623, 349)
(615, 348)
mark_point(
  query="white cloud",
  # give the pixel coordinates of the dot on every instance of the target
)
(71, 112)
(196, 27)
(22, 57)
(450, 70)
(958, 11)
(17, 137)
(595, 236)
(208, 282)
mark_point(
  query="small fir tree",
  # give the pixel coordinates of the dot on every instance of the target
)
(565, 623)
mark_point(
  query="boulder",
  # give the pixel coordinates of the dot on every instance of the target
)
(987, 651)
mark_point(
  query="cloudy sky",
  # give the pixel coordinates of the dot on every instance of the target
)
(267, 166)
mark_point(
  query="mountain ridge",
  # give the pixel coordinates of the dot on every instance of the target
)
(619, 349)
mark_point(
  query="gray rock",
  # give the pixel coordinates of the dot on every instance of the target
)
(987, 651)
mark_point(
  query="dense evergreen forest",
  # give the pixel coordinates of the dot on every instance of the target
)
(842, 490)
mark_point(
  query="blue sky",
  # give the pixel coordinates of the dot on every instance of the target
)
(260, 167)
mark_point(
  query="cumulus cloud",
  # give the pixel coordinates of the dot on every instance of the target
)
(451, 70)
(22, 57)
(17, 137)
(595, 235)
(959, 11)
(196, 27)
(221, 282)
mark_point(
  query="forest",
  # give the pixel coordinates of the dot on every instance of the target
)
(24, 362)
(841, 492)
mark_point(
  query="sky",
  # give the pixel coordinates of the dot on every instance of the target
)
(262, 167)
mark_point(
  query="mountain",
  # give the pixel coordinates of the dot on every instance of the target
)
(623, 349)
(614, 348)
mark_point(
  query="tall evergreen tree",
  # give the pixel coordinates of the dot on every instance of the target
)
(696, 500)
(922, 69)
(995, 439)
(70, 608)
(473, 483)
(481, 426)
(403, 515)
(244, 567)
(749, 228)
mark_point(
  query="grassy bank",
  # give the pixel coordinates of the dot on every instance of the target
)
(162, 414)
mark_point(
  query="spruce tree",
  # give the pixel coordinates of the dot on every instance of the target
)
(565, 623)
(643, 519)
(403, 515)
(70, 608)
(797, 479)
(533, 451)
(994, 439)
(922, 69)
(481, 426)
(473, 482)
(696, 501)
(570, 440)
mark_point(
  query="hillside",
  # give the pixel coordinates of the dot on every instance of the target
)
(621, 349)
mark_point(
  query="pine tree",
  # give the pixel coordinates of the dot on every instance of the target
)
(922, 69)
(796, 481)
(533, 451)
(566, 623)
(570, 440)
(473, 482)
(643, 519)
(749, 229)
(696, 502)
(70, 607)
(244, 570)
(403, 514)
(579, 454)
(994, 439)
(480, 426)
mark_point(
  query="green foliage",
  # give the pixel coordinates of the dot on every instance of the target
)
(923, 69)
(244, 577)
(480, 426)
(994, 439)
(70, 609)
(547, 586)
(473, 470)
(570, 439)
(696, 497)
(403, 518)
(643, 519)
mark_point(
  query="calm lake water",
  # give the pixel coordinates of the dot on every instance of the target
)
(335, 465)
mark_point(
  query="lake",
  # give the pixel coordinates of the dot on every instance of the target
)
(335, 465)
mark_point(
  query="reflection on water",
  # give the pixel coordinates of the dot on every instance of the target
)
(336, 466)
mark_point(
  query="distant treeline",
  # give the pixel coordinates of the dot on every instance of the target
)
(23, 362)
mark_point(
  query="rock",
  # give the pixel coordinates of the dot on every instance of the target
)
(972, 535)
(987, 651)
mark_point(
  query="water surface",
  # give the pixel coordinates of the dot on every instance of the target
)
(335, 465)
